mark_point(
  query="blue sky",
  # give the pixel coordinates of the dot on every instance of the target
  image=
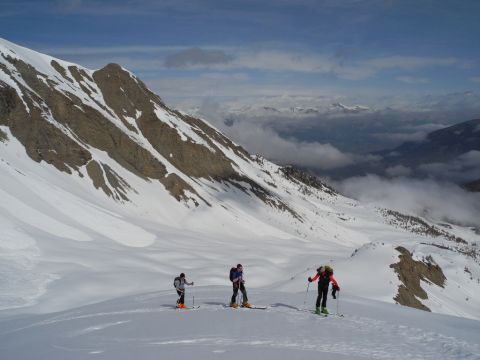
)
(358, 48)
(414, 63)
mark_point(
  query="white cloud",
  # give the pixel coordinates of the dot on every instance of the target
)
(258, 139)
(475, 79)
(435, 200)
(236, 58)
(465, 167)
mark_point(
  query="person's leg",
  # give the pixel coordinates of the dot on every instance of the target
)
(179, 293)
(325, 294)
(319, 297)
(234, 296)
(244, 293)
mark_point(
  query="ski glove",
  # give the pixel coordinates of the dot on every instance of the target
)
(309, 279)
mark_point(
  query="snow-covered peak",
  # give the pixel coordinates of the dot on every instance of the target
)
(41, 62)
(350, 109)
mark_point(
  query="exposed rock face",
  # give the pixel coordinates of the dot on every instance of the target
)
(61, 112)
(3, 136)
(410, 272)
(298, 175)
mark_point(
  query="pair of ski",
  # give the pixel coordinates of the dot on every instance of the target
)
(319, 314)
(246, 307)
(188, 308)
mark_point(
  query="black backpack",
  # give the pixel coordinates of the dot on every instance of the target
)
(232, 270)
(174, 281)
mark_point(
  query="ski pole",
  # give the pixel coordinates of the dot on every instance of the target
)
(338, 300)
(306, 294)
(300, 273)
(239, 291)
(193, 296)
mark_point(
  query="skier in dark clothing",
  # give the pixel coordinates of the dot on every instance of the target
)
(236, 276)
(324, 276)
(179, 284)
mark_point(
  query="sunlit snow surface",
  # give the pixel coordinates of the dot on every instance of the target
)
(65, 244)
(147, 326)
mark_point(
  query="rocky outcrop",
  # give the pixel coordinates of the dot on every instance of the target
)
(62, 112)
(410, 272)
(297, 175)
(3, 136)
(58, 128)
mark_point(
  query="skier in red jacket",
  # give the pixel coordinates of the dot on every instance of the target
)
(324, 276)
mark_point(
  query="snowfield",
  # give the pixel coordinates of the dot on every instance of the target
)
(147, 326)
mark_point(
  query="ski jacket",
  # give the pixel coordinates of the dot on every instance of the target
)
(180, 283)
(324, 279)
(237, 277)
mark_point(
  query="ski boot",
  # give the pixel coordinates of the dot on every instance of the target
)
(317, 311)
(324, 311)
(234, 305)
(246, 304)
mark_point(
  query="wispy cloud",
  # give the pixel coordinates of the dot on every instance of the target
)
(419, 197)
(475, 79)
(197, 56)
(413, 80)
(228, 58)
(410, 62)
(260, 139)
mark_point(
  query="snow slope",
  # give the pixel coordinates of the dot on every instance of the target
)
(65, 243)
(146, 326)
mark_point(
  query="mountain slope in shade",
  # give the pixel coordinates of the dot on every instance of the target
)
(440, 146)
(451, 153)
(473, 186)
(106, 191)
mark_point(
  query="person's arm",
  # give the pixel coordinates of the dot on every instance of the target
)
(186, 282)
(314, 278)
(334, 282)
(239, 278)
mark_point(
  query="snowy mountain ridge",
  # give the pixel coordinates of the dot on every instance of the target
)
(106, 192)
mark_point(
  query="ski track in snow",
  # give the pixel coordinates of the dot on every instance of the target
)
(142, 326)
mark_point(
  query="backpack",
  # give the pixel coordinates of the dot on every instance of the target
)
(175, 281)
(232, 270)
(329, 270)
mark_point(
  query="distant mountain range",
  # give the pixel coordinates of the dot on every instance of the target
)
(439, 146)
(451, 153)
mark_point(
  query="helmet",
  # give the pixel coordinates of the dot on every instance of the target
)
(182, 275)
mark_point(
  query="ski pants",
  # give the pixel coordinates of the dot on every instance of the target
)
(181, 294)
(322, 291)
(235, 292)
